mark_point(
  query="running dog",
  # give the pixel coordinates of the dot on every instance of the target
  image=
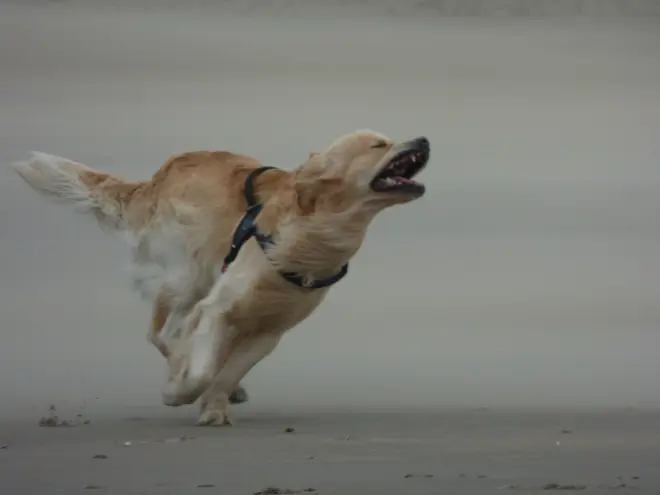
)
(233, 254)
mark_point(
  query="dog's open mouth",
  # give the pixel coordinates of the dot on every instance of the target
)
(397, 175)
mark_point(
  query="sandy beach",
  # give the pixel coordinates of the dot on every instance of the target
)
(499, 335)
(360, 452)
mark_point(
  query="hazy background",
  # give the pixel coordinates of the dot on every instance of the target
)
(529, 274)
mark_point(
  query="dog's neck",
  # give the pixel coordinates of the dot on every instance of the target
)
(314, 244)
(318, 245)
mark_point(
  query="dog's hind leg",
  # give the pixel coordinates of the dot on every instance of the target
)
(160, 314)
(167, 320)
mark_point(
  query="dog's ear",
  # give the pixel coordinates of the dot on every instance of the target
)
(313, 184)
(312, 191)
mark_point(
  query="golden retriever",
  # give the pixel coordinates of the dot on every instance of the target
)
(213, 323)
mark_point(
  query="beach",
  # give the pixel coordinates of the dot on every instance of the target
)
(360, 452)
(499, 335)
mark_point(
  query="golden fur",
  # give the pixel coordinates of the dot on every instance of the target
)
(213, 328)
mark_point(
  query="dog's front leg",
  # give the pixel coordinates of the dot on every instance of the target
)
(242, 358)
(205, 342)
(196, 356)
(166, 328)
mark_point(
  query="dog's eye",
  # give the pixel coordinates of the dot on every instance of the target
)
(379, 144)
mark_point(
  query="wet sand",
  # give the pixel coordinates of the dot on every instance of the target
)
(527, 279)
(453, 451)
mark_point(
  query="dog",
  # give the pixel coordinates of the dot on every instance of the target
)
(233, 254)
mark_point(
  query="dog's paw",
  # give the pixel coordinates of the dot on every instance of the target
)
(174, 395)
(214, 417)
(239, 396)
(175, 400)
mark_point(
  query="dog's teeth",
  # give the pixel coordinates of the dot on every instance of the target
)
(413, 159)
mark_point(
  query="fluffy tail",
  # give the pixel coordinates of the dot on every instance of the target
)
(105, 196)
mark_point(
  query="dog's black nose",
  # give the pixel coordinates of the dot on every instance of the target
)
(422, 142)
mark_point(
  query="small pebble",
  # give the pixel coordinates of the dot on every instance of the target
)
(289, 430)
(92, 487)
(100, 456)
(4, 447)
(206, 485)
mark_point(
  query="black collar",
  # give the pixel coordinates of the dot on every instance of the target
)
(246, 228)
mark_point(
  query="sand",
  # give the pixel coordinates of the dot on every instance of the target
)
(456, 452)
(516, 300)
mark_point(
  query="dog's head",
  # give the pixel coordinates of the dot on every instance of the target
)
(363, 170)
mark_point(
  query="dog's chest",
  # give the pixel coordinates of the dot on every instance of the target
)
(273, 310)
(256, 298)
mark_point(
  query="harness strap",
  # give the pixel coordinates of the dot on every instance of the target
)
(246, 228)
(248, 186)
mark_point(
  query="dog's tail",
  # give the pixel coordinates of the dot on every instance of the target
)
(105, 196)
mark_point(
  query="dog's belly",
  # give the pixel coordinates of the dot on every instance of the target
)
(161, 260)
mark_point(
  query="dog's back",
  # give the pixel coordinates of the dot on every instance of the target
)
(178, 223)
